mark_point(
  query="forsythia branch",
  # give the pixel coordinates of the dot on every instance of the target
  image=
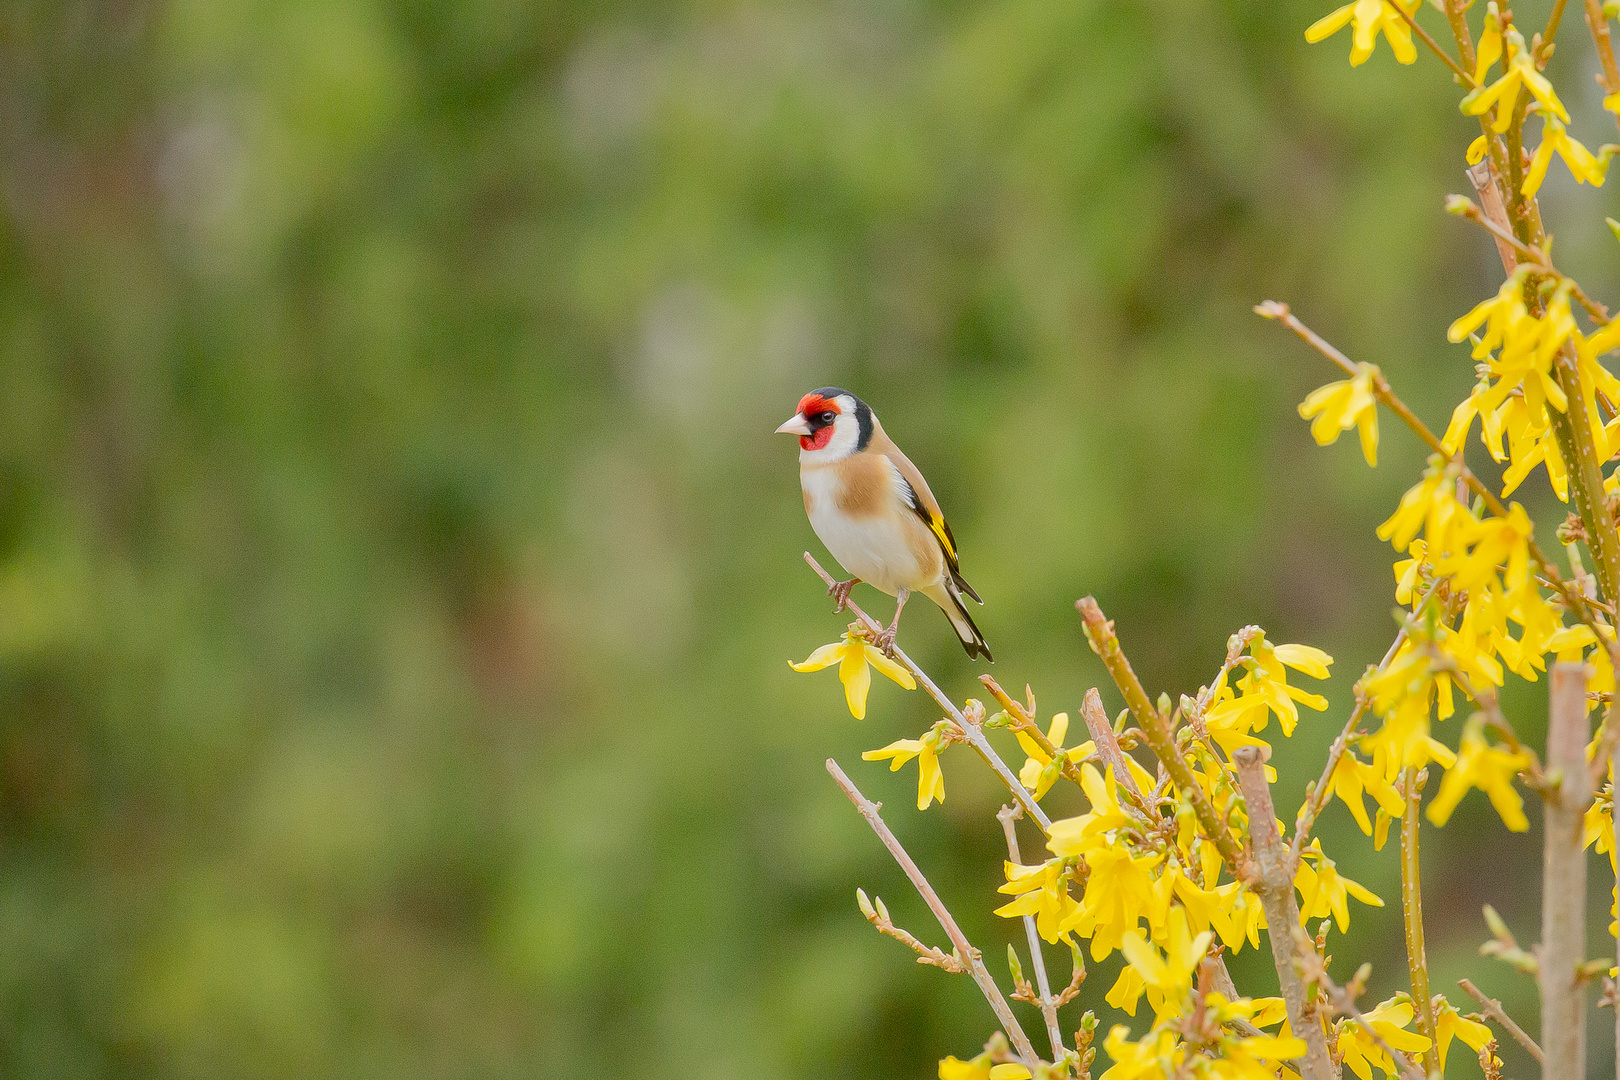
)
(1270, 877)
(1493, 1010)
(878, 915)
(964, 949)
(1563, 881)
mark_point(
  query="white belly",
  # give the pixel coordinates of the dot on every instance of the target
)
(873, 549)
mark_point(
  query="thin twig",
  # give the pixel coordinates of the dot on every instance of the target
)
(1047, 1004)
(964, 948)
(1563, 883)
(1108, 748)
(1493, 1010)
(878, 915)
(1271, 878)
(1468, 210)
(1553, 20)
(970, 732)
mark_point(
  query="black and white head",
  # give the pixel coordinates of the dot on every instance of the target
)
(831, 423)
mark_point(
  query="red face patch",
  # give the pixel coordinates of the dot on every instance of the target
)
(821, 438)
(811, 404)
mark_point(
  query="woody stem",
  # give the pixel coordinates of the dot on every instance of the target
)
(1563, 882)
(1412, 914)
(1270, 878)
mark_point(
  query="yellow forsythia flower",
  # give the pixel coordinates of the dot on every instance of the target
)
(930, 780)
(1448, 1024)
(1166, 978)
(1340, 406)
(1489, 768)
(1040, 772)
(980, 1068)
(1352, 778)
(1586, 167)
(1041, 891)
(1323, 891)
(1358, 1048)
(1371, 17)
(855, 657)
(1119, 894)
(1521, 74)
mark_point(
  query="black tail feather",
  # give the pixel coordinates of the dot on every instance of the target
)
(975, 647)
(963, 586)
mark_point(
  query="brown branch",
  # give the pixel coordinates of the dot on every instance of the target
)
(1270, 877)
(964, 948)
(1494, 217)
(1563, 884)
(975, 737)
(1046, 1003)
(1108, 748)
(1493, 1010)
(1156, 730)
(878, 916)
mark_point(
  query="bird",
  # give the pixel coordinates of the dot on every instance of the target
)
(873, 511)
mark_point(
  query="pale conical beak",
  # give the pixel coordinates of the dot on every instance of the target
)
(797, 425)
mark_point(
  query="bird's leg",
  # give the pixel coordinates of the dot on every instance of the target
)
(839, 591)
(885, 640)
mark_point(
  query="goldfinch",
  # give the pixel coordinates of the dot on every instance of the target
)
(872, 508)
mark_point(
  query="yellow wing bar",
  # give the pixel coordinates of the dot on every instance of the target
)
(937, 523)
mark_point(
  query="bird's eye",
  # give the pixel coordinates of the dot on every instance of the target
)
(828, 417)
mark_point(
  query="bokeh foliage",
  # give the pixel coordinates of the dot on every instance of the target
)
(396, 568)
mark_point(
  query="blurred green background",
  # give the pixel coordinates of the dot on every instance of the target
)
(398, 573)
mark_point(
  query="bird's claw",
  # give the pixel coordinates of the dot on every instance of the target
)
(839, 591)
(885, 641)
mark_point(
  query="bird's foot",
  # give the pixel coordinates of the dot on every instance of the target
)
(885, 641)
(839, 591)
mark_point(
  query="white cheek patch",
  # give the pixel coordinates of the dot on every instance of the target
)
(846, 434)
